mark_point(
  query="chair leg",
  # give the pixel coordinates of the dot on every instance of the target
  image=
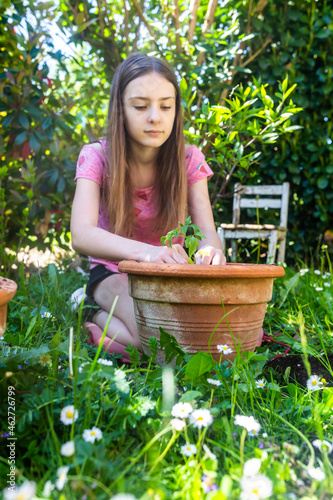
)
(272, 247)
(234, 247)
(282, 250)
(220, 232)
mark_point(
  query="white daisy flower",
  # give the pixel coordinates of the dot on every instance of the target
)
(92, 435)
(189, 449)
(253, 432)
(314, 383)
(68, 415)
(318, 289)
(76, 298)
(24, 492)
(123, 496)
(67, 449)
(224, 349)
(249, 423)
(316, 473)
(62, 477)
(106, 362)
(208, 452)
(256, 487)
(85, 363)
(327, 284)
(48, 488)
(251, 467)
(46, 314)
(323, 445)
(177, 424)
(213, 381)
(317, 272)
(303, 271)
(181, 410)
(201, 418)
(122, 384)
(260, 383)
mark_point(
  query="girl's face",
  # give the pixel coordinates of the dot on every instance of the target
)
(149, 106)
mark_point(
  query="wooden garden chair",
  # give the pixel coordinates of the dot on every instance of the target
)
(273, 197)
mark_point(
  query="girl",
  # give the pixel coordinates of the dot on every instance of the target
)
(133, 187)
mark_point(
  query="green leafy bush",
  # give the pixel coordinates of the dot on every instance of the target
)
(305, 158)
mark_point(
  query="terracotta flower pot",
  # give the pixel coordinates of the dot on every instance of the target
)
(190, 301)
(7, 291)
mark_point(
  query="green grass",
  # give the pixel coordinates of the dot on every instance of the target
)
(139, 452)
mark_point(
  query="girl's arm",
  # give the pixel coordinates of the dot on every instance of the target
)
(91, 240)
(201, 214)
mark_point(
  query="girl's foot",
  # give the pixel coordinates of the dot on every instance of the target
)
(260, 338)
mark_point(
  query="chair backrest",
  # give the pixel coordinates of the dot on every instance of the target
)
(272, 196)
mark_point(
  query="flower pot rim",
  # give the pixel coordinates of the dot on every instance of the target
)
(230, 270)
(7, 289)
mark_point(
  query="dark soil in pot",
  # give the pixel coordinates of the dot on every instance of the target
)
(297, 369)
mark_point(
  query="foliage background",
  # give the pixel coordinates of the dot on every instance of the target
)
(214, 46)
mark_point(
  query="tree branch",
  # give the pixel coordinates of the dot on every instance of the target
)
(100, 14)
(126, 20)
(175, 15)
(209, 18)
(236, 62)
(255, 55)
(193, 19)
(226, 180)
(143, 19)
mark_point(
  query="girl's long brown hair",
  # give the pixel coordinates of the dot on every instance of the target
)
(171, 178)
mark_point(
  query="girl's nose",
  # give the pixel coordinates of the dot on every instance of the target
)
(154, 115)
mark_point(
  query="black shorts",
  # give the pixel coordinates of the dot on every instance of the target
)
(97, 274)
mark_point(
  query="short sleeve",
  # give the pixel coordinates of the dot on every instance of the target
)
(196, 166)
(90, 165)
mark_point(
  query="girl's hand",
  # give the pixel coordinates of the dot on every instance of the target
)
(210, 255)
(163, 254)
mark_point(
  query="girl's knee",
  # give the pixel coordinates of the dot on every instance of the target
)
(113, 286)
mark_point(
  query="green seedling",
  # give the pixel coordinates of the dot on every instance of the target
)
(191, 240)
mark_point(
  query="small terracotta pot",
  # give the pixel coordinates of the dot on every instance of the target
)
(191, 302)
(7, 291)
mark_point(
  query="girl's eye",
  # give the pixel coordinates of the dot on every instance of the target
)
(140, 107)
(166, 107)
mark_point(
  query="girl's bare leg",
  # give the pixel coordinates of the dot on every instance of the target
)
(122, 324)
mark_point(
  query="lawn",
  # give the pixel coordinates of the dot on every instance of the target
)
(89, 427)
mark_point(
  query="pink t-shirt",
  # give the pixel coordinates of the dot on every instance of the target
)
(92, 165)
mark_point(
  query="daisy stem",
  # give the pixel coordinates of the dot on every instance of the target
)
(54, 436)
(200, 439)
(170, 443)
(92, 480)
(70, 351)
(142, 452)
(211, 398)
(76, 465)
(312, 457)
(100, 347)
(241, 447)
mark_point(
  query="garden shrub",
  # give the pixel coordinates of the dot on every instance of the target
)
(302, 49)
(37, 141)
(217, 49)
